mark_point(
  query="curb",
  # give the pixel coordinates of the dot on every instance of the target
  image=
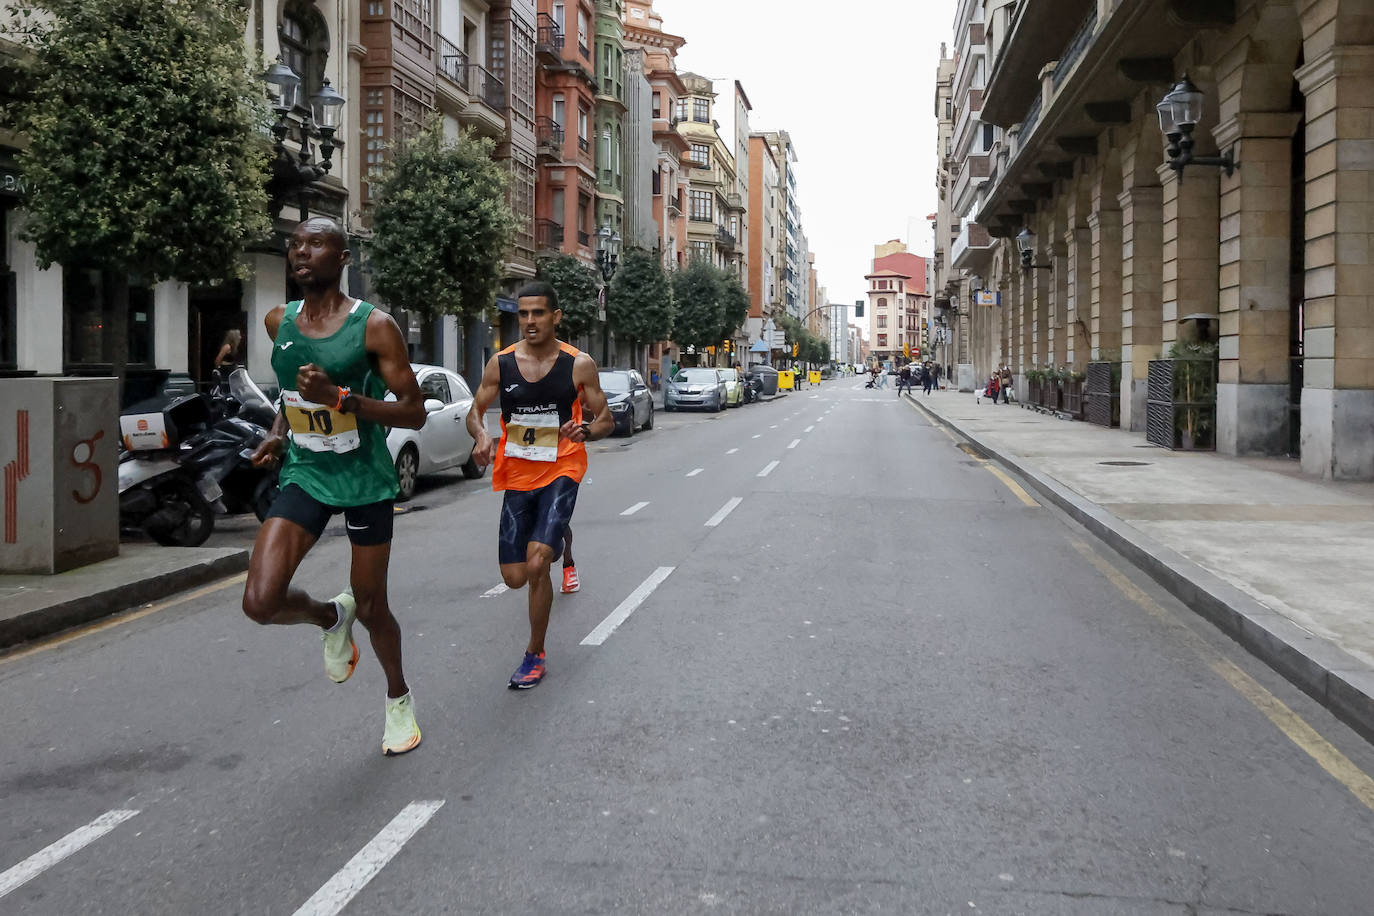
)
(1320, 669)
(54, 618)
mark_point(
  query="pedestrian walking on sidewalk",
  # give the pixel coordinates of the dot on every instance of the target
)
(1005, 384)
(927, 377)
(335, 357)
(546, 389)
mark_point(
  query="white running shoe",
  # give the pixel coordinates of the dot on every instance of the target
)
(402, 734)
(340, 651)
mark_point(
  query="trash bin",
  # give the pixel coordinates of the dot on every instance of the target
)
(767, 375)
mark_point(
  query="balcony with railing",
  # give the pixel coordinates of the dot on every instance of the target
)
(548, 235)
(971, 248)
(548, 137)
(724, 239)
(972, 174)
(453, 63)
(968, 117)
(548, 37)
(734, 201)
(488, 89)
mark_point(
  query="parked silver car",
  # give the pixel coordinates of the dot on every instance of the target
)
(443, 442)
(696, 387)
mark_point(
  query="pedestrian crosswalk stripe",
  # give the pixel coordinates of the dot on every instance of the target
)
(49, 856)
(371, 859)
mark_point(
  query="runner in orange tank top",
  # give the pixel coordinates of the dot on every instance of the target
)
(542, 384)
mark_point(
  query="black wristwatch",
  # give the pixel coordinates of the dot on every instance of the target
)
(586, 431)
(349, 404)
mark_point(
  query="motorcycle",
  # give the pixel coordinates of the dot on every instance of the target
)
(157, 494)
(753, 389)
(220, 457)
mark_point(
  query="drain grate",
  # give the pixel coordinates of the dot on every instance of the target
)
(1125, 464)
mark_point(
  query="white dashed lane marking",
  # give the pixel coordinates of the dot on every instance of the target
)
(498, 590)
(768, 468)
(370, 860)
(627, 607)
(635, 508)
(808, 429)
(725, 510)
(50, 855)
(732, 451)
(793, 443)
(695, 471)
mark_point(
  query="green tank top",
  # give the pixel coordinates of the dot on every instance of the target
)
(337, 458)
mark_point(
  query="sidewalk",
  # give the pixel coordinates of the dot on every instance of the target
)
(32, 607)
(1278, 560)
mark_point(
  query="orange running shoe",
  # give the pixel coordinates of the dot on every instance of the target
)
(570, 581)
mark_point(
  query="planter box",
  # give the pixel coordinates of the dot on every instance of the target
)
(1181, 406)
(1102, 394)
(1071, 398)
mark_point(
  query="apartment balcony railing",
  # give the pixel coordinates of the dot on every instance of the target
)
(971, 176)
(674, 204)
(548, 235)
(1077, 45)
(487, 87)
(972, 246)
(548, 136)
(583, 50)
(453, 63)
(968, 117)
(734, 202)
(548, 36)
(584, 145)
(724, 238)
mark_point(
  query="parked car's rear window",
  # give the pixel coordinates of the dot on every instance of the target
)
(696, 376)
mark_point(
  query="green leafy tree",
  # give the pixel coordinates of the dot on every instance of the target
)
(577, 291)
(640, 306)
(734, 304)
(441, 226)
(699, 294)
(144, 155)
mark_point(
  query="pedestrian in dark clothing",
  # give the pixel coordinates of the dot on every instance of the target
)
(927, 378)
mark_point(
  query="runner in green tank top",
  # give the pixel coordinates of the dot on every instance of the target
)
(334, 358)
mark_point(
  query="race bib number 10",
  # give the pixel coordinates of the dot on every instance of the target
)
(317, 428)
(532, 436)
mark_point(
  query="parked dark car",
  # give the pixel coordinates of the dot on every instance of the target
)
(630, 400)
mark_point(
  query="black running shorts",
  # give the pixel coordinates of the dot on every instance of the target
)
(368, 526)
(539, 516)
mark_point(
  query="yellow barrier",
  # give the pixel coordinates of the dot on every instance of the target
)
(786, 380)
(814, 376)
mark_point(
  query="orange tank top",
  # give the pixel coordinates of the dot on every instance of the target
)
(531, 454)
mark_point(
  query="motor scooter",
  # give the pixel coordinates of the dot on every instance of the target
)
(158, 496)
(220, 457)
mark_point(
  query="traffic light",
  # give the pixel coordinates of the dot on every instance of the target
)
(858, 308)
(795, 348)
(725, 345)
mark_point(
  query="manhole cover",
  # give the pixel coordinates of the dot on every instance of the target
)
(1125, 464)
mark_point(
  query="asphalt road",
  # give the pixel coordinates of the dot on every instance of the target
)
(865, 676)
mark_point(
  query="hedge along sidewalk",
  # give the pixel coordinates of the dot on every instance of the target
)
(33, 606)
(1276, 559)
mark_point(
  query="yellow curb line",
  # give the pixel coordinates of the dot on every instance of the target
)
(1293, 726)
(121, 619)
(1017, 490)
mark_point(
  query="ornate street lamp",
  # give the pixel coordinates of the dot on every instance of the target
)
(295, 174)
(1179, 111)
(1025, 241)
(607, 257)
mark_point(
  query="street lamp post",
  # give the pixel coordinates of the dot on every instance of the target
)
(295, 174)
(1025, 241)
(607, 258)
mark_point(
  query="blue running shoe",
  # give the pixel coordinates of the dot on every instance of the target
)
(530, 672)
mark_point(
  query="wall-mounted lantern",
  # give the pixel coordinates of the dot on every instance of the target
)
(1025, 242)
(1179, 111)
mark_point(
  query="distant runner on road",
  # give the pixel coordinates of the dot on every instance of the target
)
(335, 357)
(542, 384)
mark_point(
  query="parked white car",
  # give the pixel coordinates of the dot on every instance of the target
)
(443, 442)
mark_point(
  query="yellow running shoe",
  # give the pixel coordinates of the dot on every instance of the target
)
(340, 651)
(402, 734)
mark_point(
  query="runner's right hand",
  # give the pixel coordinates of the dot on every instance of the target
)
(484, 450)
(267, 452)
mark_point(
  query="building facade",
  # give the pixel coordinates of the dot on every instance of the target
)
(1270, 255)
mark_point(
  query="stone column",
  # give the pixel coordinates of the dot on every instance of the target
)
(1041, 310)
(1059, 304)
(170, 317)
(1104, 227)
(1338, 343)
(1078, 296)
(262, 292)
(1141, 265)
(1190, 239)
(1255, 234)
(38, 322)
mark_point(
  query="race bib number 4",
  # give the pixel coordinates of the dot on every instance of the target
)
(317, 428)
(532, 436)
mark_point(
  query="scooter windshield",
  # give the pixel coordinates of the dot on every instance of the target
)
(247, 393)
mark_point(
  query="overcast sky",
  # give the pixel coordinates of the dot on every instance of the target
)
(854, 86)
